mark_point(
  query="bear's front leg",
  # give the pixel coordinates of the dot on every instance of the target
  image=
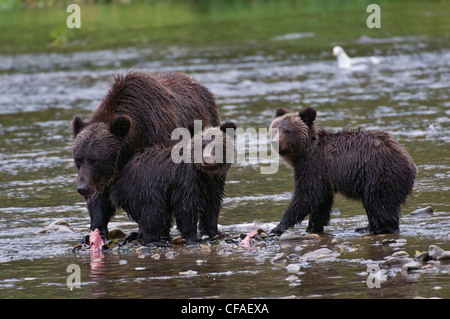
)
(292, 216)
(100, 210)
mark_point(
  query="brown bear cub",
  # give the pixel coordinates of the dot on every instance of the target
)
(369, 166)
(140, 110)
(153, 188)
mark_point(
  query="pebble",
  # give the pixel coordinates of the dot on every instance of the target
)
(434, 252)
(188, 273)
(278, 258)
(335, 212)
(422, 211)
(172, 254)
(421, 256)
(260, 258)
(291, 236)
(293, 267)
(59, 225)
(412, 265)
(400, 253)
(292, 278)
(116, 234)
(179, 241)
(444, 256)
(396, 262)
(123, 262)
(311, 237)
(319, 253)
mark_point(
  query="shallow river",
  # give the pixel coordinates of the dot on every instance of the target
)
(407, 95)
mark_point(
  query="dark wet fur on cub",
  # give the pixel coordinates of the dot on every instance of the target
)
(154, 190)
(140, 110)
(369, 166)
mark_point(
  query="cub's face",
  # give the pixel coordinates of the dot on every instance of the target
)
(96, 149)
(290, 132)
(217, 148)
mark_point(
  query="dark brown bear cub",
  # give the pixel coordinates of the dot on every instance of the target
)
(140, 110)
(369, 166)
(154, 188)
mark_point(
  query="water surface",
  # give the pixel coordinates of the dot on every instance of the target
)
(407, 95)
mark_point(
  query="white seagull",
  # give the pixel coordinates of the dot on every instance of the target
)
(345, 62)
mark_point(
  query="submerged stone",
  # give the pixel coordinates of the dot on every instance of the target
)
(422, 211)
(434, 252)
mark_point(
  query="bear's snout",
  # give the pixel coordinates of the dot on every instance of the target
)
(83, 190)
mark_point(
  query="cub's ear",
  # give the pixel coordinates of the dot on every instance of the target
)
(77, 125)
(280, 112)
(227, 124)
(121, 126)
(308, 115)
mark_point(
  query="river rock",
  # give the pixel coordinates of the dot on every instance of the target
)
(116, 234)
(395, 262)
(444, 256)
(59, 225)
(400, 254)
(293, 267)
(188, 273)
(291, 236)
(179, 241)
(422, 256)
(335, 212)
(422, 211)
(434, 252)
(319, 253)
(311, 237)
(278, 258)
(412, 265)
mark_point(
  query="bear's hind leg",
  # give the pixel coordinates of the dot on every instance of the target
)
(152, 225)
(186, 220)
(384, 218)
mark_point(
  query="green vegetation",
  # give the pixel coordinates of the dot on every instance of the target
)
(40, 26)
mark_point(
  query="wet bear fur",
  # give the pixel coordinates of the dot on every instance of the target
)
(140, 110)
(154, 190)
(369, 166)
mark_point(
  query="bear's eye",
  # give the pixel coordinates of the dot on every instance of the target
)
(94, 161)
(287, 131)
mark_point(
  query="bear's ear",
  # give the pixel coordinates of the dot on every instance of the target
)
(280, 112)
(227, 124)
(120, 126)
(308, 115)
(77, 125)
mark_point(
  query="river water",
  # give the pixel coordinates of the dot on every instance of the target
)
(407, 95)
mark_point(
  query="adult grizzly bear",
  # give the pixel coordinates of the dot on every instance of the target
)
(189, 191)
(140, 110)
(363, 165)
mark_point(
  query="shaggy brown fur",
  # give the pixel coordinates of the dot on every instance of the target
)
(140, 110)
(369, 166)
(163, 190)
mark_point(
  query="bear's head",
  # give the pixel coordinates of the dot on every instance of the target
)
(217, 148)
(96, 149)
(293, 134)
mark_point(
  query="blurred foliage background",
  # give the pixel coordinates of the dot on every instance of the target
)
(40, 25)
